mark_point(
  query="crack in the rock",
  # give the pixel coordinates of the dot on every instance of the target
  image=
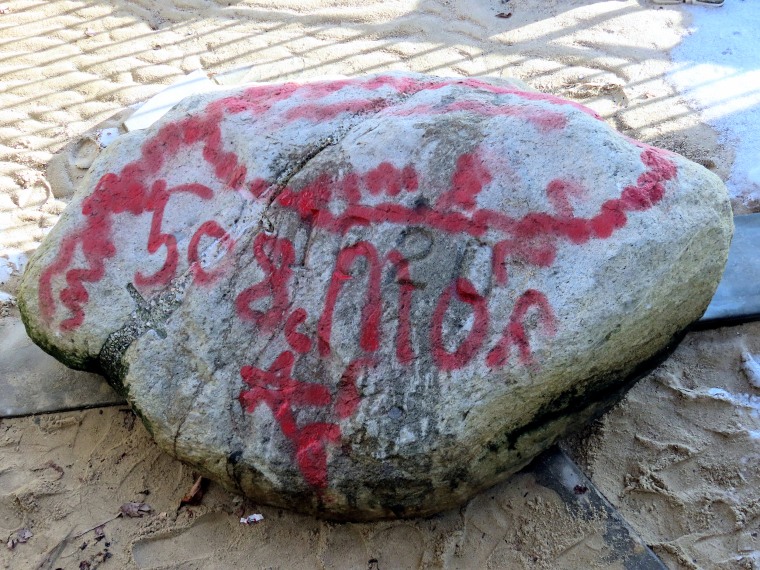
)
(151, 314)
(148, 315)
(182, 423)
(283, 179)
(307, 247)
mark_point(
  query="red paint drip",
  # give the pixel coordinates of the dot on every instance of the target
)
(348, 398)
(469, 178)
(559, 192)
(311, 451)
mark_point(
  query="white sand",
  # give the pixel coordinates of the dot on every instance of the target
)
(717, 67)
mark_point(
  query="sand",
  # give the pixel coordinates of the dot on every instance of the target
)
(678, 457)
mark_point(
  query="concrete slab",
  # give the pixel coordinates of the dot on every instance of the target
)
(32, 382)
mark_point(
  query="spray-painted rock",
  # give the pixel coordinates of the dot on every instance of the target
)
(374, 297)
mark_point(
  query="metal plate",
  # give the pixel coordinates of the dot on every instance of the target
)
(738, 296)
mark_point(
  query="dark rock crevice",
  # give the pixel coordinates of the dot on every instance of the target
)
(149, 314)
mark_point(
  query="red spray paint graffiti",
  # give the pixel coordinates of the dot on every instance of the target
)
(280, 392)
(139, 187)
(337, 204)
(533, 238)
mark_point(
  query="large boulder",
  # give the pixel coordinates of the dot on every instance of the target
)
(374, 297)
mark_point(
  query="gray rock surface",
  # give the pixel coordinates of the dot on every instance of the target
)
(374, 297)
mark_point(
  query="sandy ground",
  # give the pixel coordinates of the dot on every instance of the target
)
(678, 457)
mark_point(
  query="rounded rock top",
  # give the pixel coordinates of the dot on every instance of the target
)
(374, 297)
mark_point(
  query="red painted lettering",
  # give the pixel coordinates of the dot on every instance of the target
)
(279, 391)
(274, 256)
(515, 334)
(337, 203)
(213, 230)
(404, 351)
(370, 328)
(464, 290)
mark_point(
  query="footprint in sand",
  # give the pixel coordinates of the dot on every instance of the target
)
(10, 481)
(398, 547)
(345, 548)
(196, 545)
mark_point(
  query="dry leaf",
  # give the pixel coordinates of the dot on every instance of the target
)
(195, 494)
(134, 510)
(22, 536)
(129, 419)
(54, 466)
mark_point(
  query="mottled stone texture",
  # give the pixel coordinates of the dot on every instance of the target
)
(374, 297)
